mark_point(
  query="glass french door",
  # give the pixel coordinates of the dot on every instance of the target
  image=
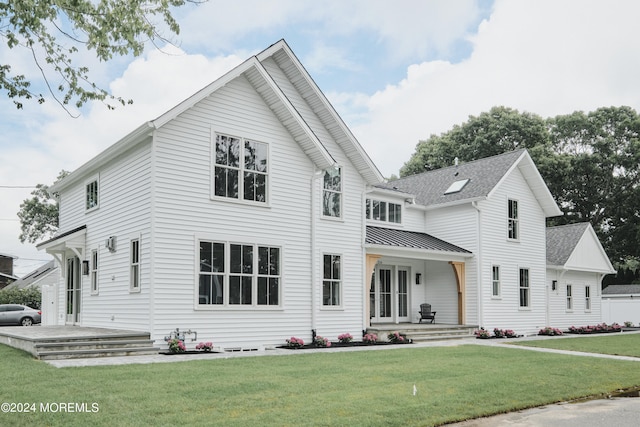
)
(403, 295)
(389, 295)
(73, 291)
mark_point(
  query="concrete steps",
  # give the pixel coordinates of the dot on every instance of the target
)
(420, 333)
(95, 346)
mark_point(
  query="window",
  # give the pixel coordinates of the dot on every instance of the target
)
(513, 220)
(587, 298)
(332, 193)
(569, 298)
(238, 274)
(524, 288)
(94, 271)
(240, 169)
(383, 211)
(456, 186)
(134, 281)
(495, 280)
(91, 199)
(331, 280)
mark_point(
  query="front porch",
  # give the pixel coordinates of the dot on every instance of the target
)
(422, 332)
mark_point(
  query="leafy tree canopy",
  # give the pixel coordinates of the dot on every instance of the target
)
(39, 214)
(590, 162)
(57, 32)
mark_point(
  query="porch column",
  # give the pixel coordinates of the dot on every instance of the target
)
(371, 265)
(458, 269)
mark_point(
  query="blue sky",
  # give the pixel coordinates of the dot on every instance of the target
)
(397, 72)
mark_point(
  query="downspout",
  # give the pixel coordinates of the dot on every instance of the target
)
(479, 264)
(312, 241)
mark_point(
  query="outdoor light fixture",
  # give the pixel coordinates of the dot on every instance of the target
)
(418, 277)
(85, 268)
(554, 285)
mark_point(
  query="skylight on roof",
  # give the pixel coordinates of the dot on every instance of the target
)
(457, 186)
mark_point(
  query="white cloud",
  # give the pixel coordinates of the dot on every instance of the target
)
(548, 58)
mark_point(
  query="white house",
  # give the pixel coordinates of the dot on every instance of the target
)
(249, 213)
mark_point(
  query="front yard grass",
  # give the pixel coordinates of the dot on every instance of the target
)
(620, 343)
(363, 388)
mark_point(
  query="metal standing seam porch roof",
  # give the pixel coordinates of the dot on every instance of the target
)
(410, 239)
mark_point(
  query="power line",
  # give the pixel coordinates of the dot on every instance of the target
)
(18, 186)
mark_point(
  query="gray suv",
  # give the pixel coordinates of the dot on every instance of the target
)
(15, 314)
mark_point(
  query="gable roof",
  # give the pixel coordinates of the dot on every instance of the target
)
(33, 277)
(483, 175)
(576, 246)
(294, 118)
(621, 290)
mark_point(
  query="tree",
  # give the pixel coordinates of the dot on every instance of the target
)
(39, 214)
(56, 33)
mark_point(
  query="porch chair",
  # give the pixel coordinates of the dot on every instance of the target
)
(426, 313)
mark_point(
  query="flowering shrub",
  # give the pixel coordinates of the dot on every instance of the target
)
(370, 338)
(294, 342)
(205, 346)
(396, 337)
(482, 333)
(319, 341)
(176, 346)
(628, 324)
(345, 338)
(550, 331)
(602, 327)
(504, 333)
(498, 333)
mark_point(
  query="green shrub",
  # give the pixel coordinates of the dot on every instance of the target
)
(31, 297)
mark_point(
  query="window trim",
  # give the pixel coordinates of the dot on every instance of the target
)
(516, 221)
(569, 296)
(94, 264)
(495, 283)
(526, 288)
(340, 192)
(227, 274)
(339, 281)
(135, 266)
(241, 171)
(94, 179)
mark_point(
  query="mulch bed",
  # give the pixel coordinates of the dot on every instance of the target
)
(169, 353)
(341, 345)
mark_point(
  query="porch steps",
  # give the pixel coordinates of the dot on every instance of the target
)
(134, 344)
(424, 333)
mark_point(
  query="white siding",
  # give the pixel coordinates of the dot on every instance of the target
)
(559, 315)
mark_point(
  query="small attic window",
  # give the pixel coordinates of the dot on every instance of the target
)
(457, 186)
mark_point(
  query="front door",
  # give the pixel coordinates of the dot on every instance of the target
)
(73, 292)
(389, 295)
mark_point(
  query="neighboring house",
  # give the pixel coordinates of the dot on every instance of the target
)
(249, 213)
(46, 274)
(6, 270)
(621, 303)
(576, 265)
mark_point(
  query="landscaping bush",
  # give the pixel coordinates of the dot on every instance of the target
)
(31, 297)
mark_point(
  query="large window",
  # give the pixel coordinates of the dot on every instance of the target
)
(378, 210)
(332, 193)
(240, 169)
(513, 222)
(331, 280)
(569, 297)
(91, 194)
(525, 300)
(495, 280)
(94, 271)
(134, 257)
(238, 274)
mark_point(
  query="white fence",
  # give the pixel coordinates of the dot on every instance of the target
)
(621, 309)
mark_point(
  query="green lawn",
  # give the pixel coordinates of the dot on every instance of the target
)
(622, 344)
(310, 387)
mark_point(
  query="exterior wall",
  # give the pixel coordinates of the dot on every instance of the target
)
(441, 291)
(621, 308)
(528, 252)
(184, 212)
(123, 212)
(559, 315)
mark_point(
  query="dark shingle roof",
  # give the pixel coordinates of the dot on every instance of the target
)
(621, 290)
(35, 275)
(484, 175)
(562, 240)
(409, 239)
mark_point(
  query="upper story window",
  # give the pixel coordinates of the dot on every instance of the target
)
(241, 169)
(378, 210)
(513, 224)
(332, 193)
(91, 194)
